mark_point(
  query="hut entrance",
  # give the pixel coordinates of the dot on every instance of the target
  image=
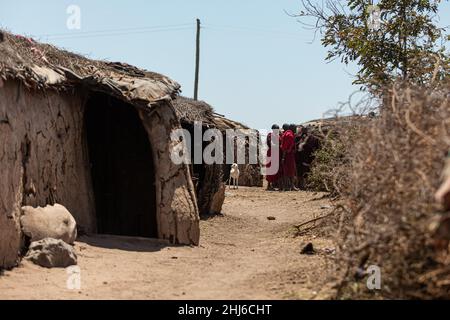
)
(122, 169)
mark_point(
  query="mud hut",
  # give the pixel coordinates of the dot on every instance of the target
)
(317, 133)
(250, 174)
(93, 136)
(207, 178)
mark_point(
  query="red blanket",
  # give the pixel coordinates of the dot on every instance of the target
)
(288, 149)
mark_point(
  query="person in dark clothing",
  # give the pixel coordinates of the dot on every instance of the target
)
(306, 149)
(273, 178)
(298, 141)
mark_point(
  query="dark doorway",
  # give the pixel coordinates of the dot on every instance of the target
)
(197, 170)
(122, 168)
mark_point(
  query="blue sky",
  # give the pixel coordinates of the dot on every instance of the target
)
(257, 63)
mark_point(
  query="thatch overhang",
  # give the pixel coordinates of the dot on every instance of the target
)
(326, 124)
(223, 123)
(44, 66)
(189, 111)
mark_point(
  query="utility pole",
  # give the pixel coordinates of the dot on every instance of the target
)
(197, 61)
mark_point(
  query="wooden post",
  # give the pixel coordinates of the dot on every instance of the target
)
(197, 61)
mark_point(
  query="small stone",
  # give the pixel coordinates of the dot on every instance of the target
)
(51, 253)
(308, 249)
(271, 218)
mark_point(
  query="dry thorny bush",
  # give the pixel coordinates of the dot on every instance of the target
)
(386, 183)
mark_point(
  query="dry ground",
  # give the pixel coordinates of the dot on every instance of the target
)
(242, 255)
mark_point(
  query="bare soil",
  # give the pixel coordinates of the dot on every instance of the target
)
(242, 255)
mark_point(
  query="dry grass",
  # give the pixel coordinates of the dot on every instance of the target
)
(330, 155)
(391, 170)
(189, 110)
(19, 54)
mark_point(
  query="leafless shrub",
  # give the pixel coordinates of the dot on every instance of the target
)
(337, 132)
(386, 184)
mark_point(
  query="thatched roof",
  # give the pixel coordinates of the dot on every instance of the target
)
(326, 124)
(44, 66)
(223, 123)
(190, 110)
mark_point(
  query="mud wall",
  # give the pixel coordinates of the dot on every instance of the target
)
(178, 217)
(250, 175)
(42, 160)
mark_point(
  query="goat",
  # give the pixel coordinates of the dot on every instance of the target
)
(234, 174)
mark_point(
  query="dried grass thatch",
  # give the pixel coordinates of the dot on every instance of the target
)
(332, 136)
(189, 110)
(223, 123)
(44, 66)
(321, 127)
(393, 167)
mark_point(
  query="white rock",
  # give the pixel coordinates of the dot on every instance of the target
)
(48, 222)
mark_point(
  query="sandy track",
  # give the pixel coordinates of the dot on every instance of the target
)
(242, 255)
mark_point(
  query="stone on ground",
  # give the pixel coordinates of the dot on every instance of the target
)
(52, 253)
(308, 249)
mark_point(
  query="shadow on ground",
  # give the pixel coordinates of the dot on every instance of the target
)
(136, 244)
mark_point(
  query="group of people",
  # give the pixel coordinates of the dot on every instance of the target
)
(292, 141)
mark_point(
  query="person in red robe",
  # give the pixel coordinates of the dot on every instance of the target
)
(288, 157)
(272, 179)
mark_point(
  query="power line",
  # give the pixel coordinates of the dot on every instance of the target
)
(114, 32)
(250, 29)
(117, 34)
(119, 29)
(163, 28)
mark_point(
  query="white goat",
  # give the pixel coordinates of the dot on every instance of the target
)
(234, 174)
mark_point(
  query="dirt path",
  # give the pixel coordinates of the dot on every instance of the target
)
(242, 255)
